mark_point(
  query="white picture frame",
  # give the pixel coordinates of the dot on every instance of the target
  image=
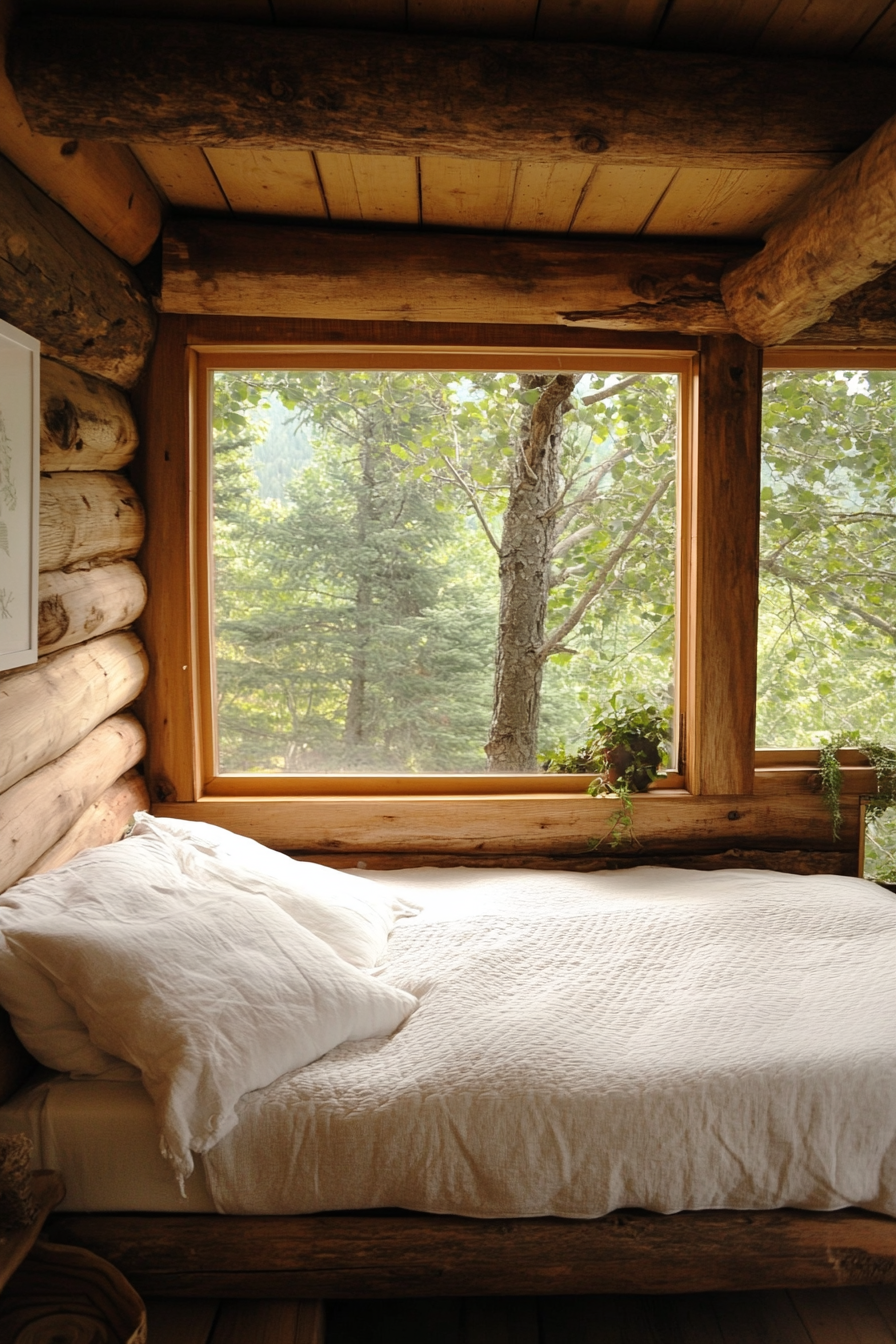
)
(19, 495)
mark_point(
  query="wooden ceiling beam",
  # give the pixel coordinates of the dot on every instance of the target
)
(249, 269)
(386, 93)
(102, 185)
(840, 236)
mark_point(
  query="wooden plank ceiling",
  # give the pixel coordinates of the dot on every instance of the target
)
(559, 197)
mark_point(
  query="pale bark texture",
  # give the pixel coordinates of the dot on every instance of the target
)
(527, 544)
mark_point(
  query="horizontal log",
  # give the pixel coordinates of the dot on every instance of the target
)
(840, 235)
(87, 603)
(39, 809)
(104, 822)
(59, 284)
(418, 1255)
(281, 270)
(89, 515)
(806, 862)
(85, 424)
(102, 185)
(866, 317)
(390, 93)
(560, 824)
(48, 707)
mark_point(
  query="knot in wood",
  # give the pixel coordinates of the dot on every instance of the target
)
(279, 87)
(589, 141)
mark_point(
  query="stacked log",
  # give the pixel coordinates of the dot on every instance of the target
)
(84, 603)
(88, 516)
(85, 423)
(42, 807)
(68, 755)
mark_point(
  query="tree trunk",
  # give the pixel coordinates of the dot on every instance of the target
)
(355, 725)
(527, 544)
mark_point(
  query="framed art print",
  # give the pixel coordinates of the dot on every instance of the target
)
(19, 497)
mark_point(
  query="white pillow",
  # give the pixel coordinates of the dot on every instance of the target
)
(354, 916)
(47, 1026)
(209, 994)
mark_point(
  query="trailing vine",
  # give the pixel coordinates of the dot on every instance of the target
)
(830, 776)
(624, 751)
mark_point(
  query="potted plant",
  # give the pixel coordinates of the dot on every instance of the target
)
(830, 780)
(624, 750)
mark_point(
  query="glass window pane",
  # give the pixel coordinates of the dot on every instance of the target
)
(358, 525)
(827, 613)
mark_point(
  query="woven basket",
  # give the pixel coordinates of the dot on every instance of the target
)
(65, 1295)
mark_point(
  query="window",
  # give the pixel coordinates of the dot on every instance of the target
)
(827, 623)
(368, 524)
(707, 652)
(827, 616)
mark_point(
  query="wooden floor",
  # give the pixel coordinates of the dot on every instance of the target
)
(822, 1316)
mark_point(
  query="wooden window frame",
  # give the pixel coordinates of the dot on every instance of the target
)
(720, 800)
(396, 357)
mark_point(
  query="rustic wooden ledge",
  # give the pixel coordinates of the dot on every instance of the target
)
(395, 1254)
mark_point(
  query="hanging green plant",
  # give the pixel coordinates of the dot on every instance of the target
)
(830, 776)
(624, 750)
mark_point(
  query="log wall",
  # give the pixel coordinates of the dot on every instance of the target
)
(70, 753)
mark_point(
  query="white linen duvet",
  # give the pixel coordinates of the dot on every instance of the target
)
(655, 1038)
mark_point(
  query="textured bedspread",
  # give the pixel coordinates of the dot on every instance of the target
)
(670, 1040)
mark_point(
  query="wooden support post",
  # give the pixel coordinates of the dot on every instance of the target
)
(164, 466)
(723, 568)
(56, 281)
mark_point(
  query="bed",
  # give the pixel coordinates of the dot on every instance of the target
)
(650, 1080)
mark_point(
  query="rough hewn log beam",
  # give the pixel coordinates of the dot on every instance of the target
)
(55, 703)
(416, 1255)
(841, 235)
(88, 516)
(864, 317)
(85, 424)
(58, 283)
(666, 822)
(102, 185)
(385, 93)
(281, 270)
(87, 603)
(39, 809)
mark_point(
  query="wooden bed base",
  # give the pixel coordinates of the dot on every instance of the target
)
(396, 1254)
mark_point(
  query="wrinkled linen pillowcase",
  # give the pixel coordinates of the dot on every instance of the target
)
(208, 997)
(354, 916)
(47, 1026)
